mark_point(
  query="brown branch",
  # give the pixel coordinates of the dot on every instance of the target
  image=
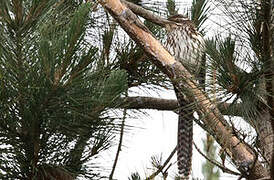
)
(142, 102)
(163, 166)
(265, 178)
(47, 172)
(182, 79)
(268, 59)
(219, 165)
(119, 145)
(266, 30)
(272, 60)
(148, 15)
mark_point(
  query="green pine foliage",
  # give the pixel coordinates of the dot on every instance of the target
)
(235, 83)
(63, 67)
(53, 95)
(243, 62)
(199, 14)
(171, 7)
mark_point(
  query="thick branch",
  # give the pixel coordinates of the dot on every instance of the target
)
(142, 102)
(181, 78)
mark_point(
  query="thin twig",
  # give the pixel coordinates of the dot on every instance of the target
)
(163, 166)
(119, 145)
(223, 168)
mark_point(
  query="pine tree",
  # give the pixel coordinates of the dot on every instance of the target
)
(64, 68)
(54, 91)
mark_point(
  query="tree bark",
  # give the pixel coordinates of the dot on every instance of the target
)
(268, 60)
(47, 172)
(265, 137)
(142, 102)
(145, 13)
(242, 155)
(272, 60)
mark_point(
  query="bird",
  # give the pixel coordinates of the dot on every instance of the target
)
(186, 44)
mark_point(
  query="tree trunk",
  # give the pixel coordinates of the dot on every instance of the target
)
(46, 172)
(265, 137)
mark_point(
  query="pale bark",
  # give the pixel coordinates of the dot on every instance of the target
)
(242, 155)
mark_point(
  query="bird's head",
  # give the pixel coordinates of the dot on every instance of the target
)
(177, 21)
(179, 18)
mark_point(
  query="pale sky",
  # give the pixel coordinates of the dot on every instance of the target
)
(152, 135)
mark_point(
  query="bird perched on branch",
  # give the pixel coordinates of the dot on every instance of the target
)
(186, 44)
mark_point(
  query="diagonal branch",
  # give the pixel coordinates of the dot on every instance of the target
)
(163, 166)
(243, 157)
(145, 13)
(214, 162)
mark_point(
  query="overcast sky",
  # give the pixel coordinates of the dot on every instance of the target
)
(154, 135)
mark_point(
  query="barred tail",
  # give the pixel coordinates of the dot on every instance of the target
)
(185, 136)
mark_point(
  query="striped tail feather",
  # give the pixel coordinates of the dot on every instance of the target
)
(185, 137)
